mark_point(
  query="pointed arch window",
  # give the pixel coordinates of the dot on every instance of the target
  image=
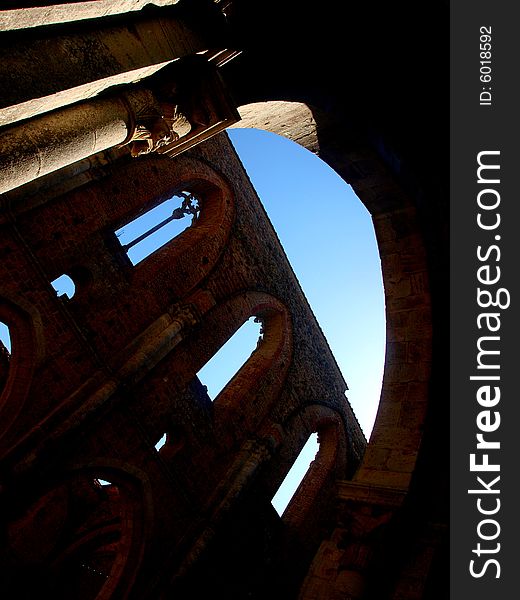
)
(322, 460)
(159, 225)
(222, 367)
(296, 474)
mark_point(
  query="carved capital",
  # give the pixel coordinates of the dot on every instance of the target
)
(185, 315)
(181, 105)
(153, 123)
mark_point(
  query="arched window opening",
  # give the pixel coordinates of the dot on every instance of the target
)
(296, 474)
(161, 442)
(159, 225)
(329, 238)
(222, 367)
(64, 286)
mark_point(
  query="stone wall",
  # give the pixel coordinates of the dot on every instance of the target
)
(114, 368)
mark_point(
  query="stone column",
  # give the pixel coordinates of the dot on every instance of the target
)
(180, 106)
(242, 472)
(59, 139)
(339, 569)
(50, 13)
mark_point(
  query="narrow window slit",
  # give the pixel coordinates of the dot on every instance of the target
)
(296, 474)
(159, 225)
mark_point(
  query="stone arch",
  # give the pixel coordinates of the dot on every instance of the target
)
(262, 376)
(163, 278)
(87, 520)
(248, 396)
(173, 270)
(330, 461)
(180, 265)
(396, 437)
(26, 333)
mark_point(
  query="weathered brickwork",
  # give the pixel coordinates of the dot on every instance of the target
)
(119, 359)
(90, 509)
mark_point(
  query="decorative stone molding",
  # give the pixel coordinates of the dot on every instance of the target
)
(181, 105)
(341, 564)
(185, 100)
(185, 315)
(153, 124)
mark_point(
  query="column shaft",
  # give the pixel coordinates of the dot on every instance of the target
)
(61, 138)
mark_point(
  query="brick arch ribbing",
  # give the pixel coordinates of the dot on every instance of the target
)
(248, 396)
(181, 264)
(330, 460)
(103, 207)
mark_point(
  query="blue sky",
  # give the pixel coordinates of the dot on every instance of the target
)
(329, 239)
(328, 236)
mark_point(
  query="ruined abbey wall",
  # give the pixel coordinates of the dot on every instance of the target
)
(107, 109)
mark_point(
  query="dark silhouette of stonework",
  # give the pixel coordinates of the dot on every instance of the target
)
(109, 108)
